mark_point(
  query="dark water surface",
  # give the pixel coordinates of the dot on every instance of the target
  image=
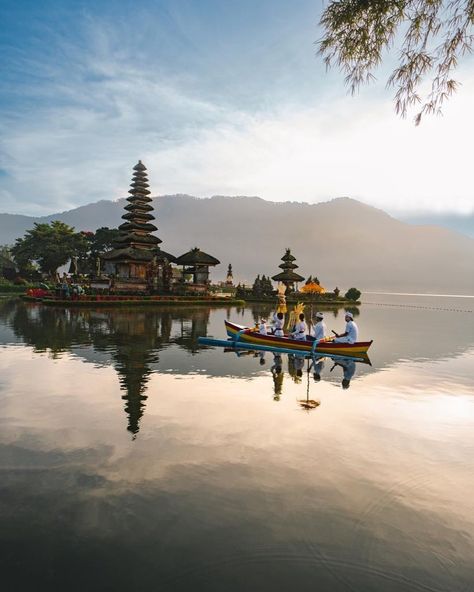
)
(131, 459)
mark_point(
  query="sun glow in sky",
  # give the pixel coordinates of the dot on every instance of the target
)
(215, 97)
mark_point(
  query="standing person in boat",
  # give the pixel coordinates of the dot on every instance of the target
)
(278, 324)
(301, 329)
(319, 327)
(351, 333)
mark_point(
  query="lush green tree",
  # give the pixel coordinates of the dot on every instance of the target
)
(50, 245)
(266, 286)
(352, 294)
(8, 268)
(94, 244)
(102, 240)
(431, 36)
(6, 252)
(257, 286)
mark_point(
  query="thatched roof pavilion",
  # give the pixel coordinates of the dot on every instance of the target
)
(197, 263)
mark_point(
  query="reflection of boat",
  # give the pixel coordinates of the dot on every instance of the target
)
(239, 333)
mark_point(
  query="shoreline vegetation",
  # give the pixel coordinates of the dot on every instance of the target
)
(27, 292)
(110, 300)
(135, 301)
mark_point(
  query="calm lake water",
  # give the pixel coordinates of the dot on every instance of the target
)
(131, 459)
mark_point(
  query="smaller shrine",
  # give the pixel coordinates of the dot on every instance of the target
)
(288, 276)
(229, 280)
(196, 263)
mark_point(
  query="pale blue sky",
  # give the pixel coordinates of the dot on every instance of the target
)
(216, 97)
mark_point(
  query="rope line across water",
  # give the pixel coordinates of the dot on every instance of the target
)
(417, 306)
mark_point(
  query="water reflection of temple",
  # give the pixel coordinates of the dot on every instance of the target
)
(131, 340)
(137, 340)
(192, 328)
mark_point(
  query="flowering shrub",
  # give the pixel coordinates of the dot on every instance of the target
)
(37, 293)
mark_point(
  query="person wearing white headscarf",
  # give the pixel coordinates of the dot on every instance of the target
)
(351, 333)
(319, 327)
(300, 329)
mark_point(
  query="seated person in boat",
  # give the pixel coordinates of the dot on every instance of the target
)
(278, 323)
(300, 330)
(262, 327)
(319, 326)
(351, 333)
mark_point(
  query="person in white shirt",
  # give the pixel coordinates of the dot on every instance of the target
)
(300, 329)
(279, 322)
(351, 333)
(319, 327)
(262, 328)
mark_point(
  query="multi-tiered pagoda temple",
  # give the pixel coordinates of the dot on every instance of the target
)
(136, 254)
(288, 276)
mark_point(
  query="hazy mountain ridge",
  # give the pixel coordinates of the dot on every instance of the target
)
(458, 222)
(343, 241)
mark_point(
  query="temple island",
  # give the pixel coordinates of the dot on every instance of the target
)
(136, 269)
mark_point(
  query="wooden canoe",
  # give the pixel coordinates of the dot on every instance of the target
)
(240, 333)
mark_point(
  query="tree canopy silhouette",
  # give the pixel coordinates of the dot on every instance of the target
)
(50, 245)
(431, 36)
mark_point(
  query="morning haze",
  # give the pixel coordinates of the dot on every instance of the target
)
(343, 241)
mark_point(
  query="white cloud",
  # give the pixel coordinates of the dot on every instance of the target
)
(92, 125)
(354, 147)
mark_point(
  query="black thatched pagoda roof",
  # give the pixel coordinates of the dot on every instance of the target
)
(143, 208)
(196, 257)
(130, 226)
(162, 255)
(128, 253)
(135, 239)
(287, 276)
(288, 265)
(288, 256)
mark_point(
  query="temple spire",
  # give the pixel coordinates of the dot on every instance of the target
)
(136, 246)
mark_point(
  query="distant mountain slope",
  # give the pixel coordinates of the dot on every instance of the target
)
(343, 241)
(459, 223)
